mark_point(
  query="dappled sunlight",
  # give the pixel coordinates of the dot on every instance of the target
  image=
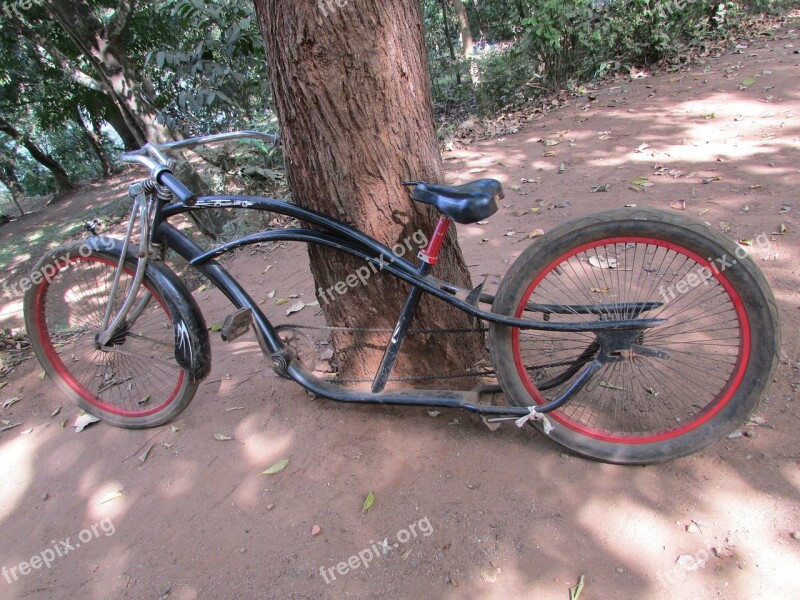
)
(16, 471)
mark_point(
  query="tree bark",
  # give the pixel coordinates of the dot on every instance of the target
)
(353, 99)
(63, 181)
(463, 24)
(96, 142)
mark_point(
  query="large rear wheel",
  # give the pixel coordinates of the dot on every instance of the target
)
(676, 387)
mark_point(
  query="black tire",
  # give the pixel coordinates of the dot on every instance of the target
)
(135, 383)
(718, 347)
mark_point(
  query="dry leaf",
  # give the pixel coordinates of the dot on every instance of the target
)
(110, 496)
(3, 384)
(27, 431)
(271, 295)
(55, 412)
(281, 301)
(601, 290)
(509, 234)
(10, 402)
(222, 437)
(702, 212)
(174, 429)
(296, 307)
(143, 456)
(535, 233)
(83, 421)
(276, 468)
(603, 262)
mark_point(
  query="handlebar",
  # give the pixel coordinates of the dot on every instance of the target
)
(152, 157)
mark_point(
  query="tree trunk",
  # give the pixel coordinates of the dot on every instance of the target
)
(449, 39)
(8, 176)
(104, 48)
(353, 98)
(96, 142)
(463, 24)
(63, 182)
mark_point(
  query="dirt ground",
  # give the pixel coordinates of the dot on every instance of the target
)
(466, 513)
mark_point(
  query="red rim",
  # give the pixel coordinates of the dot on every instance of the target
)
(43, 334)
(727, 393)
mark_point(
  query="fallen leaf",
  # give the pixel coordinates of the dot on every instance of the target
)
(478, 170)
(43, 375)
(562, 168)
(175, 429)
(296, 307)
(610, 386)
(551, 142)
(220, 437)
(640, 181)
(749, 81)
(548, 154)
(63, 423)
(10, 402)
(368, 502)
(83, 421)
(276, 468)
(535, 233)
(434, 413)
(8, 425)
(26, 432)
(575, 592)
(110, 496)
(55, 412)
(143, 456)
(271, 295)
(601, 290)
(215, 327)
(603, 187)
(746, 242)
(267, 269)
(232, 408)
(702, 212)
(509, 234)
(145, 400)
(783, 229)
(281, 301)
(314, 303)
(603, 262)
(3, 384)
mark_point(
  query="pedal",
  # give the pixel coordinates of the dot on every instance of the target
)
(236, 325)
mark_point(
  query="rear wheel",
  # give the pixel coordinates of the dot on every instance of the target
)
(674, 388)
(134, 381)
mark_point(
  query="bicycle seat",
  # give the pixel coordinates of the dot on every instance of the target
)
(468, 203)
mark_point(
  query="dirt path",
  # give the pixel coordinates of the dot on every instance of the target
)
(475, 514)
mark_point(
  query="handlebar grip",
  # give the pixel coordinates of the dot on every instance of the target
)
(181, 192)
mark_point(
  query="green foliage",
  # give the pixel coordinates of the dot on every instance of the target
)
(214, 76)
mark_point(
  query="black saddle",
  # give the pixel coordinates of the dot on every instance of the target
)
(468, 203)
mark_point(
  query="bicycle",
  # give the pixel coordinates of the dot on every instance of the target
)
(653, 335)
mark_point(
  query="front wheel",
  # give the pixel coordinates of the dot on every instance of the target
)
(674, 388)
(135, 380)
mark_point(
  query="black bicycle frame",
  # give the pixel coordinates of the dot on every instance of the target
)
(336, 235)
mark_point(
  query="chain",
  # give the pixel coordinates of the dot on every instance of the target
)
(468, 374)
(381, 330)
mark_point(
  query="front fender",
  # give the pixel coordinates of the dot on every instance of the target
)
(192, 343)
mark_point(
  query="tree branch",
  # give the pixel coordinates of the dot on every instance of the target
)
(121, 18)
(62, 60)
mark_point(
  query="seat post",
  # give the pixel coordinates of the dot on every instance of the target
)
(429, 256)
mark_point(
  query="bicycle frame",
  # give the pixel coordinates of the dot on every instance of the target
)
(339, 236)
